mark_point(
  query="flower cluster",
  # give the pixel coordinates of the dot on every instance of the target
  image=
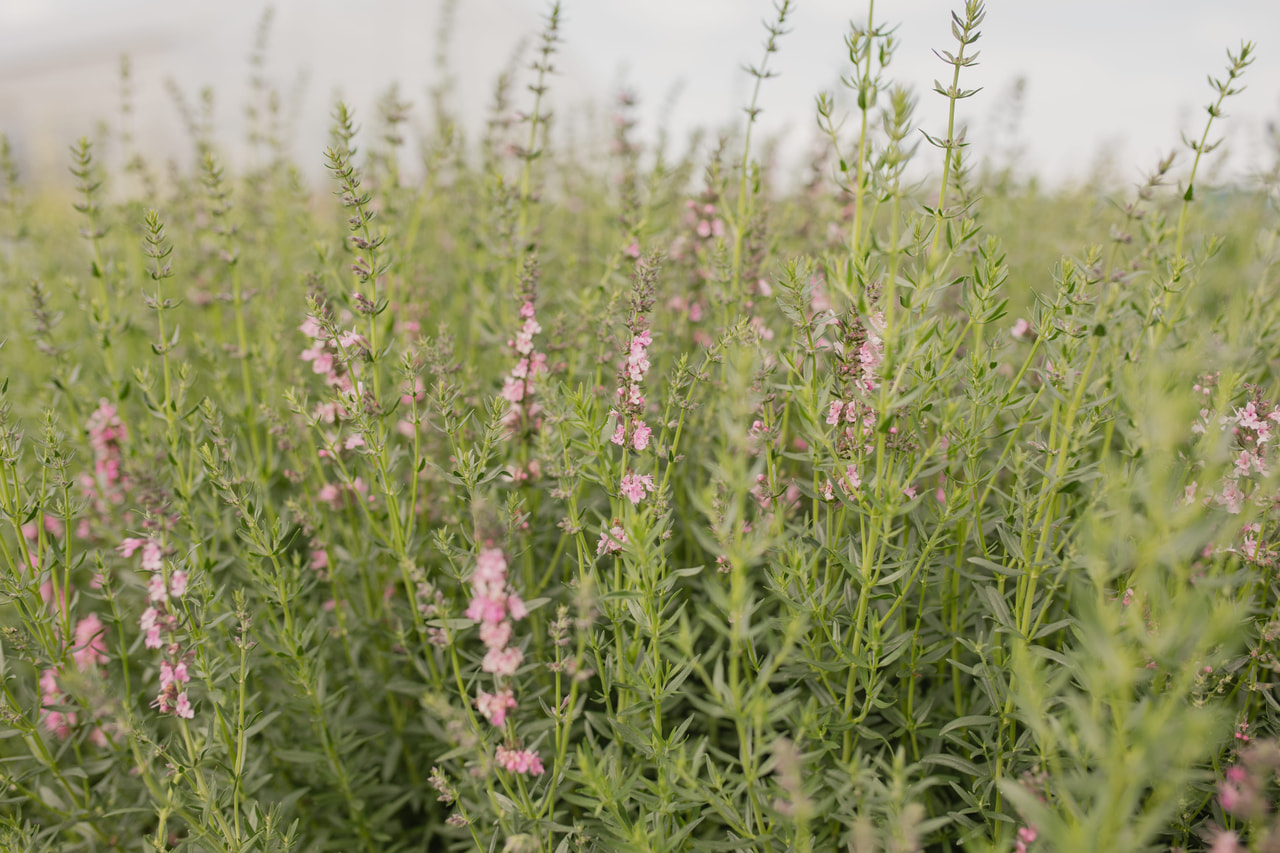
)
(494, 706)
(518, 389)
(159, 623)
(325, 353)
(634, 486)
(495, 605)
(89, 650)
(630, 429)
(107, 485)
(613, 539)
(702, 219)
(492, 602)
(520, 761)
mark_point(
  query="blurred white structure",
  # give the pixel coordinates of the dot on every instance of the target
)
(1123, 78)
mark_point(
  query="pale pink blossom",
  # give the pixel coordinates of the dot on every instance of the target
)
(634, 486)
(311, 328)
(128, 546)
(57, 722)
(173, 674)
(611, 540)
(495, 635)
(156, 590)
(1231, 497)
(90, 647)
(640, 437)
(502, 661)
(183, 707)
(513, 390)
(1226, 841)
(151, 556)
(494, 706)
(178, 584)
(524, 761)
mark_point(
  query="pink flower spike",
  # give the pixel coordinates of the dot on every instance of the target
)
(494, 706)
(524, 761)
(502, 661)
(634, 486)
(151, 556)
(640, 439)
(611, 540)
(128, 546)
(156, 591)
(311, 328)
(90, 647)
(495, 635)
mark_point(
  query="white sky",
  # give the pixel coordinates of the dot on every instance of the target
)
(1122, 77)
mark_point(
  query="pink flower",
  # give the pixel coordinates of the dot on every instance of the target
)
(1232, 498)
(640, 438)
(495, 635)
(151, 555)
(491, 565)
(54, 721)
(502, 661)
(152, 640)
(515, 606)
(352, 338)
(519, 761)
(513, 390)
(634, 486)
(833, 414)
(1021, 329)
(311, 328)
(611, 540)
(156, 590)
(1226, 841)
(173, 674)
(128, 546)
(90, 646)
(494, 706)
(178, 584)
(183, 707)
(486, 610)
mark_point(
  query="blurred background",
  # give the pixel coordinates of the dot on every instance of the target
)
(1107, 87)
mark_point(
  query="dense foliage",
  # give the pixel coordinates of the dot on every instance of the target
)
(549, 496)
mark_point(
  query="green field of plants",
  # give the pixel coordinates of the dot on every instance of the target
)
(507, 493)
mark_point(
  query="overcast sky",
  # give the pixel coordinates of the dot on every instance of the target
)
(1121, 78)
